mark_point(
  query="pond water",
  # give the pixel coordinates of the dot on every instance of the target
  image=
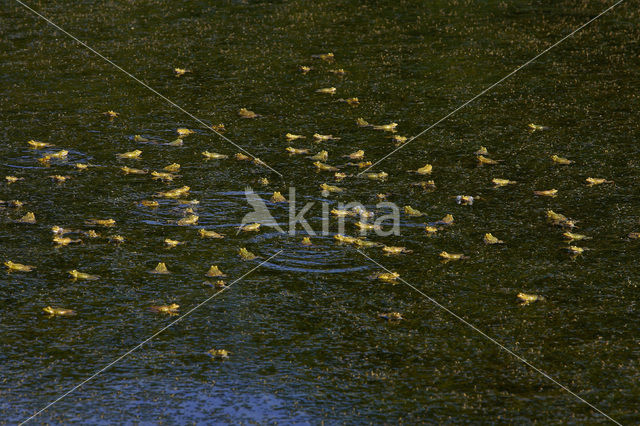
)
(305, 340)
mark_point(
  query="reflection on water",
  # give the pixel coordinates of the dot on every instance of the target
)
(147, 400)
(305, 338)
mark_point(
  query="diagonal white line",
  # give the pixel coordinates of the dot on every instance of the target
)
(145, 341)
(492, 340)
(492, 86)
(145, 85)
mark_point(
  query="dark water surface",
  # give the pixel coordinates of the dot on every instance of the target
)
(305, 340)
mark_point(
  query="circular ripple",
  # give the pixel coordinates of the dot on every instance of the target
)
(324, 256)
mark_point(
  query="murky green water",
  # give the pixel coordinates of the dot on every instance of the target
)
(305, 340)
